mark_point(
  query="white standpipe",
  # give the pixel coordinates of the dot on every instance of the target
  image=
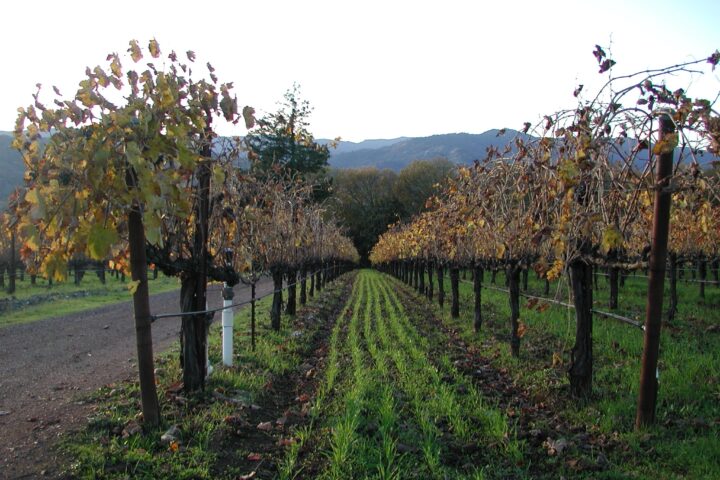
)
(208, 367)
(227, 326)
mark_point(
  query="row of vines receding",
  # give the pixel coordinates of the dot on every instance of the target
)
(576, 192)
(131, 172)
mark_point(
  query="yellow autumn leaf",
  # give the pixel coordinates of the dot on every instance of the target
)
(555, 270)
(612, 238)
(154, 48)
(135, 51)
(82, 194)
(115, 66)
(522, 329)
(249, 117)
(31, 235)
(55, 266)
(666, 145)
(32, 196)
(133, 286)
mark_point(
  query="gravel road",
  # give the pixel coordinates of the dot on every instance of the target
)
(48, 365)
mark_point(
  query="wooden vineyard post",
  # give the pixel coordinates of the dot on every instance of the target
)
(647, 398)
(143, 325)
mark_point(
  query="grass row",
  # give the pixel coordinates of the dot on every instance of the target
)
(395, 413)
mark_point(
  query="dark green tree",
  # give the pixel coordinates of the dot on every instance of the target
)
(416, 183)
(364, 204)
(282, 144)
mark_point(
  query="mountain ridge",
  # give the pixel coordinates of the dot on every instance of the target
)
(460, 148)
(394, 153)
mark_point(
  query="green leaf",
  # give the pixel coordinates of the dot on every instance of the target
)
(133, 154)
(153, 228)
(39, 207)
(100, 240)
(568, 172)
(218, 175)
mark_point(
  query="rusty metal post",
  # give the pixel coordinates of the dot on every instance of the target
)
(647, 398)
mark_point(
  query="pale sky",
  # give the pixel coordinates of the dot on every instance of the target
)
(370, 69)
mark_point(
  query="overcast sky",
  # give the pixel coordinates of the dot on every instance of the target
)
(370, 69)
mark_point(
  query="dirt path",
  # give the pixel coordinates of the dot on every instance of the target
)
(47, 366)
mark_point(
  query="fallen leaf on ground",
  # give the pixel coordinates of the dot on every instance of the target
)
(286, 442)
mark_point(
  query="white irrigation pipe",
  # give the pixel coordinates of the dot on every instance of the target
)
(228, 319)
(208, 367)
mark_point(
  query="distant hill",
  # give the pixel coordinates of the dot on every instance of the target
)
(461, 148)
(345, 147)
(11, 166)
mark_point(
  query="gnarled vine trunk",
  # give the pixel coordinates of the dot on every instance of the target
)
(702, 273)
(430, 282)
(421, 276)
(614, 273)
(581, 361)
(455, 289)
(303, 286)
(513, 281)
(292, 292)
(441, 285)
(193, 286)
(311, 292)
(477, 287)
(275, 310)
(12, 268)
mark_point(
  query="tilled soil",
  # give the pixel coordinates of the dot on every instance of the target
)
(48, 366)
